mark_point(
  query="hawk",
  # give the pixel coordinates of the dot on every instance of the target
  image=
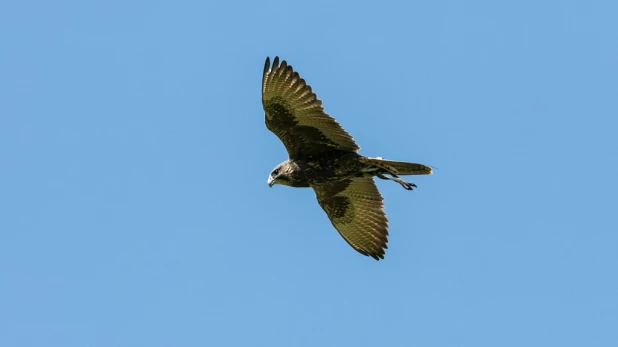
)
(323, 156)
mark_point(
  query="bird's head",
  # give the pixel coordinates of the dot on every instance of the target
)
(280, 174)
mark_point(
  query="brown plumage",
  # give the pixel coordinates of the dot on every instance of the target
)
(323, 156)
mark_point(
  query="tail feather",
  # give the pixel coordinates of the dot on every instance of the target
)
(397, 167)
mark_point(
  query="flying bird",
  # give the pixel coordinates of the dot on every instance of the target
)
(323, 156)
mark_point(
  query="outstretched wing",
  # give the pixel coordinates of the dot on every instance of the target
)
(295, 114)
(355, 208)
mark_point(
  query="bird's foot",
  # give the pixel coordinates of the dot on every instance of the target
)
(404, 184)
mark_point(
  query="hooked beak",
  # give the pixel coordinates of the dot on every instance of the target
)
(271, 181)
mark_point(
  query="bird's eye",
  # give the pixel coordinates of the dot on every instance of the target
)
(275, 172)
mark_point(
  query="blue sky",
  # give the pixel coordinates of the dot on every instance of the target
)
(134, 158)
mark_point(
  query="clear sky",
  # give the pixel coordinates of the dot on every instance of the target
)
(134, 209)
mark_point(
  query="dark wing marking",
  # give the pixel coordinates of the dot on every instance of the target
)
(355, 208)
(295, 114)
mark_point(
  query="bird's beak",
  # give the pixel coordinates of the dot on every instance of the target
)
(271, 181)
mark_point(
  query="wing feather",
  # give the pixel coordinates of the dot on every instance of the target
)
(295, 114)
(355, 208)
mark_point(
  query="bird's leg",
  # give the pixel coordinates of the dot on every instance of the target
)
(404, 184)
(380, 175)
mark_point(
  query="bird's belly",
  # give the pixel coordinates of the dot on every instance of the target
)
(327, 169)
(328, 176)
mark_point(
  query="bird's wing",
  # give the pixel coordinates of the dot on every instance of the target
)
(295, 114)
(355, 208)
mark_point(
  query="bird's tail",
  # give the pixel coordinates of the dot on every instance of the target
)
(396, 167)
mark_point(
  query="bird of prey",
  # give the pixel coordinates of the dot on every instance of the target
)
(323, 156)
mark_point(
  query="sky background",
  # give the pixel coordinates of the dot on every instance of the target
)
(134, 209)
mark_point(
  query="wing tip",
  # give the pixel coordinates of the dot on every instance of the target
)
(267, 65)
(275, 65)
(377, 255)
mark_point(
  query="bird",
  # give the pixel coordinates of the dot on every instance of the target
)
(323, 156)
